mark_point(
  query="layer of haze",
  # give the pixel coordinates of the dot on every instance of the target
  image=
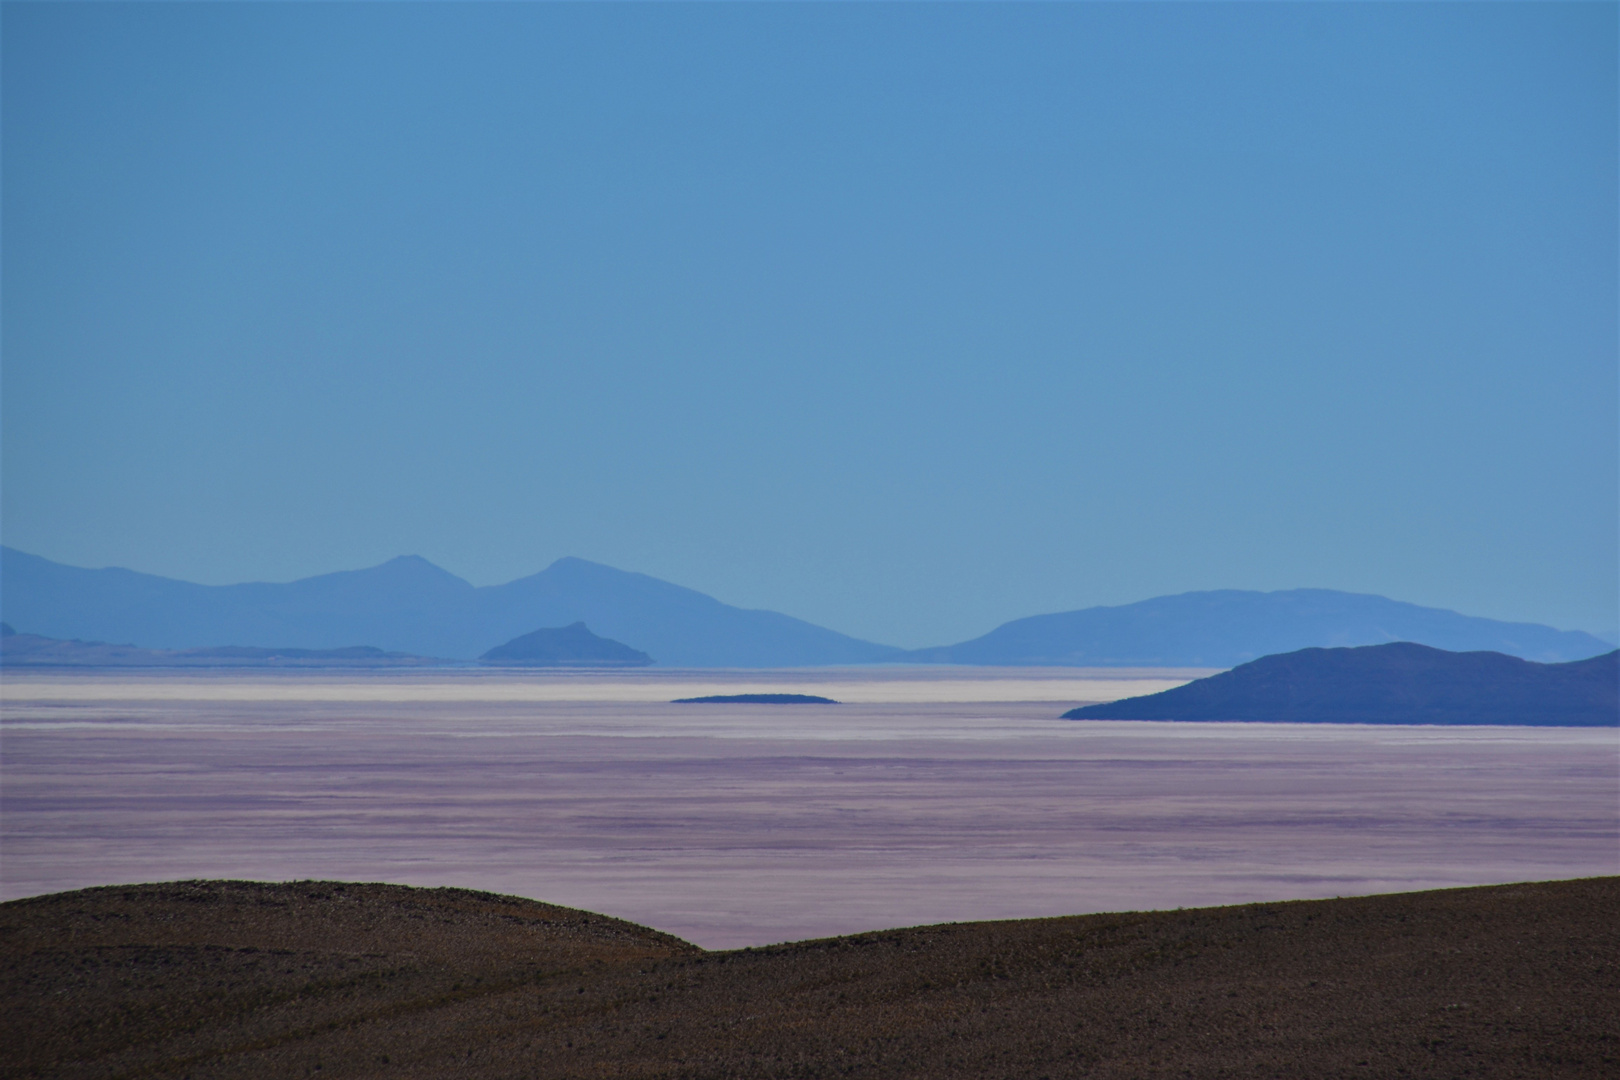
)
(906, 320)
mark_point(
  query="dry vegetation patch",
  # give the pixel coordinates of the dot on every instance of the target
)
(235, 979)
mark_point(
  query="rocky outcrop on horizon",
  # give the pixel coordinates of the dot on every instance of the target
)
(565, 646)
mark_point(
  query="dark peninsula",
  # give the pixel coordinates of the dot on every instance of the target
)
(1398, 683)
(565, 646)
(755, 699)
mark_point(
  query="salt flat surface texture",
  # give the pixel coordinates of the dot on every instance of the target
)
(930, 796)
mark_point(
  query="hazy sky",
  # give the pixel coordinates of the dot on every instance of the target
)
(905, 319)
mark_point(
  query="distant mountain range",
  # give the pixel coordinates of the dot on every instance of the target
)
(408, 605)
(1227, 627)
(33, 651)
(1401, 683)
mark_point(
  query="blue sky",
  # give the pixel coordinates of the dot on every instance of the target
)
(903, 319)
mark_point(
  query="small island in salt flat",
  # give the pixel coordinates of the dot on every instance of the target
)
(1397, 683)
(565, 646)
(755, 699)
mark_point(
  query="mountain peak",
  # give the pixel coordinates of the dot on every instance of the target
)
(402, 569)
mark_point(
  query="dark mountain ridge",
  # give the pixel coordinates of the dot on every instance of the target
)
(1399, 683)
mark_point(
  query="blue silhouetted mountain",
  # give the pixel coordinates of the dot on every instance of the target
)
(565, 646)
(409, 605)
(677, 626)
(327, 612)
(1229, 627)
(1399, 683)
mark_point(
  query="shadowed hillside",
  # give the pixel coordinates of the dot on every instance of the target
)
(235, 979)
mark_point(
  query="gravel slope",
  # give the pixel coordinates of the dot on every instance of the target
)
(237, 979)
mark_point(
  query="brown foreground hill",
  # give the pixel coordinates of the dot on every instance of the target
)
(325, 979)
